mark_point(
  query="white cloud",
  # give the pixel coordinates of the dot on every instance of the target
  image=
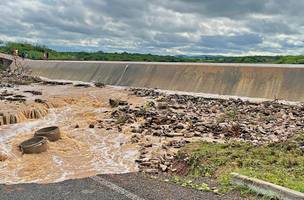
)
(158, 26)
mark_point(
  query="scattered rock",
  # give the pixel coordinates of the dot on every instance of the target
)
(162, 105)
(174, 120)
(100, 85)
(163, 167)
(116, 102)
(33, 92)
(84, 85)
(40, 101)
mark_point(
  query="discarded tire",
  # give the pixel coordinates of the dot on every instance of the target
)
(34, 145)
(51, 133)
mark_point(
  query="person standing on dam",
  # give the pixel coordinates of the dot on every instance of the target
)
(23, 55)
(46, 55)
(15, 52)
(15, 58)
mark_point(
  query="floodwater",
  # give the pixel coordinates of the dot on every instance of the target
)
(82, 152)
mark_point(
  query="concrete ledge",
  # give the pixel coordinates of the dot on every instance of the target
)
(266, 188)
(257, 81)
(268, 81)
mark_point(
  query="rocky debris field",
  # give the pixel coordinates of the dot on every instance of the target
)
(257, 123)
(168, 121)
(9, 79)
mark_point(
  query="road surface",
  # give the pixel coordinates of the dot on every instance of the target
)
(107, 187)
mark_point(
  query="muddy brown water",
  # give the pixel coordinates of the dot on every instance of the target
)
(81, 152)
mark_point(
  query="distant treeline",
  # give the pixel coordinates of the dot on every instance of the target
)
(37, 51)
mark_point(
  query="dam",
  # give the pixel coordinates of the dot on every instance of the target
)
(106, 130)
(270, 81)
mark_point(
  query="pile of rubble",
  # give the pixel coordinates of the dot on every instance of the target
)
(167, 122)
(9, 79)
(253, 122)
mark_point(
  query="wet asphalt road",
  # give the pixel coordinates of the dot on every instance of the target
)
(107, 187)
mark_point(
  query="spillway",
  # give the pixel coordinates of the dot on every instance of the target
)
(246, 80)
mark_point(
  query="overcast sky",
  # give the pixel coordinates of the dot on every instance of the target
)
(229, 27)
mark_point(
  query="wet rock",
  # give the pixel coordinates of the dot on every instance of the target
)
(189, 135)
(135, 138)
(99, 85)
(148, 145)
(33, 92)
(15, 99)
(178, 126)
(116, 102)
(162, 105)
(56, 83)
(40, 101)
(137, 130)
(84, 85)
(174, 134)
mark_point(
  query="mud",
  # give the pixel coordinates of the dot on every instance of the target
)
(81, 152)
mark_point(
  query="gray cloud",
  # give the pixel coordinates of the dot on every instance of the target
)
(158, 26)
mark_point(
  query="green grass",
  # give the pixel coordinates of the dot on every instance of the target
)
(35, 51)
(280, 163)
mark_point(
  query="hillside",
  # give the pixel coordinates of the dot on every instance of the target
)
(36, 52)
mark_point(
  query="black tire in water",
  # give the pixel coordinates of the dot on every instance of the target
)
(51, 133)
(34, 145)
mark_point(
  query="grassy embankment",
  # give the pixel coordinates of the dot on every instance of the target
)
(278, 163)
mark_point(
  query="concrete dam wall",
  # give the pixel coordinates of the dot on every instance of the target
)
(248, 80)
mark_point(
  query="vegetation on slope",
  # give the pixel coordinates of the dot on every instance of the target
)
(37, 51)
(278, 163)
(258, 59)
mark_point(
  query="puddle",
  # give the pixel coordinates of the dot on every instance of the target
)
(81, 152)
